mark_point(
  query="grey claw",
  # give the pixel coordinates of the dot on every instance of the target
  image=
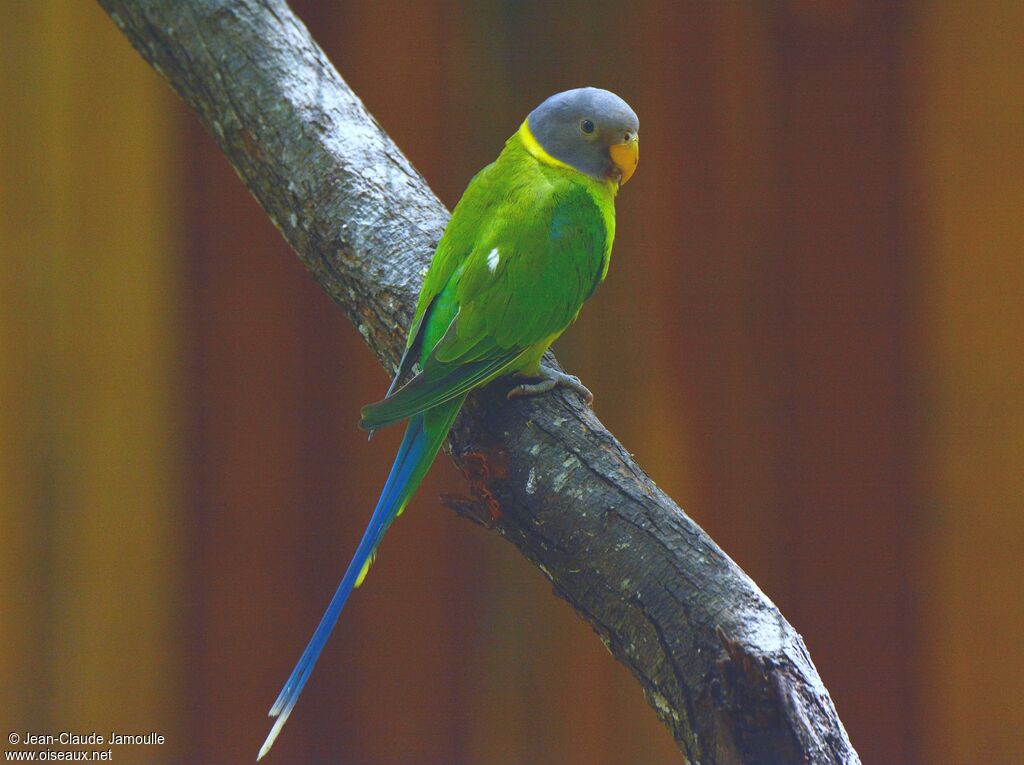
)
(551, 378)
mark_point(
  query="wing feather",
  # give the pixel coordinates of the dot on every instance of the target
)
(429, 389)
(510, 274)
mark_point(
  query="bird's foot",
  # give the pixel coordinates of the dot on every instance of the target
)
(550, 379)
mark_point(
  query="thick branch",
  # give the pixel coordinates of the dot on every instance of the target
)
(718, 662)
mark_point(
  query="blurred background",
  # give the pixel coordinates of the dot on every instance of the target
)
(812, 336)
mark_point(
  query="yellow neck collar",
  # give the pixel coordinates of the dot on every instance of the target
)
(535, 149)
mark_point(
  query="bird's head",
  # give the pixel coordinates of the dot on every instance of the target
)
(589, 129)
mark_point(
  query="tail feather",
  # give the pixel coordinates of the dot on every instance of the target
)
(423, 438)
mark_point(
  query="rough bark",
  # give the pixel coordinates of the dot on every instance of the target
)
(720, 665)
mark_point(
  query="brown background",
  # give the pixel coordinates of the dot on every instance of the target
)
(811, 337)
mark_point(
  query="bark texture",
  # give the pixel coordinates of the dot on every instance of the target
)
(720, 665)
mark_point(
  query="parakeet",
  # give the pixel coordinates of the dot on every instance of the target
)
(527, 244)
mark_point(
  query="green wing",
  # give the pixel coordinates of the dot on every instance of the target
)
(426, 391)
(528, 280)
(520, 256)
(476, 203)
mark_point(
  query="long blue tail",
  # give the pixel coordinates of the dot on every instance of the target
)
(423, 438)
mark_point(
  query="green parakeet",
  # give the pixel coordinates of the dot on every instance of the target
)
(527, 244)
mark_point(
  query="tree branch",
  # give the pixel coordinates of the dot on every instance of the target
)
(717, 661)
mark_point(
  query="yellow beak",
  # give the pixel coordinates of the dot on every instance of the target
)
(625, 157)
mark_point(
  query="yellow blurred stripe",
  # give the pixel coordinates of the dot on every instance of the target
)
(91, 610)
(970, 171)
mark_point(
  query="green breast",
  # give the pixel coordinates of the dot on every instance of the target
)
(527, 244)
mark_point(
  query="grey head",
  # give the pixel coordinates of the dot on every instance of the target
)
(590, 129)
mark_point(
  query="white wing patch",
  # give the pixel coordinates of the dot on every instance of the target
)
(493, 258)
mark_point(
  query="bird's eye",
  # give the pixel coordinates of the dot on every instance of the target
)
(587, 127)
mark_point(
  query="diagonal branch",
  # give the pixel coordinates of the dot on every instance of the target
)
(717, 661)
